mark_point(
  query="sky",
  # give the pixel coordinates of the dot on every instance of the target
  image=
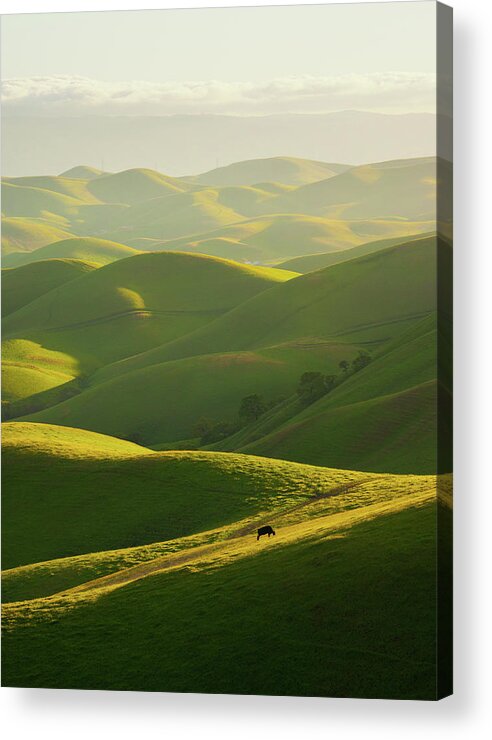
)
(239, 61)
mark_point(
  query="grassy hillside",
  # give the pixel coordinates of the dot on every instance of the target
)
(286, 170)
(384, 416)
(312, 568)
(407, 360)
(69, 492)
(396, 433)
(136, 328)
(28, 367)
(274, 237)
(176, 215)
(73, 187)
(312, 262)
(22, 285)
(135, 304)
(134, 186)
(18, 200)
(27, 234)
(88, 249)
(366, 300)
(398, 189)
(149, 404)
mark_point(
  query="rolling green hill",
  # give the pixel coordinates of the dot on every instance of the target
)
(70, 492)
(286, 170)
(126, 323)
(82, 172)
(396, 433)
(312, 262)
(134, 186)
(21, 285)
(388, 419)
(327, 522)
(271, 238)
(134, 304)
(18, 200)
(385, 416)
(168, 399)
(365, 300)
(176, 215)
(29, 368)
(73, 187)
(87, 249)
(397, 189)
(27, 234)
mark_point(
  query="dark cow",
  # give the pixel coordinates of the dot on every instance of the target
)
(265, 530)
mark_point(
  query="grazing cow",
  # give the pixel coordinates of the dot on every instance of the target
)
(265, 530)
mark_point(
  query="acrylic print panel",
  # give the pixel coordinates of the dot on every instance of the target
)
(227, 341)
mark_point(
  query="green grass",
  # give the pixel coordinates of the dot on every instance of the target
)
(176, 215)
(134, 304)
(285, 170)
(75, 188)
(395, 433)
(160, 411)
(87, 249)
(21, 234)
(383, 418)
(136, 568)
(24, 284)
(372, 298)
(29, 368)
(309, 621)
(21, 200)
(337, 499)
(134, 186)
(313, 262)
(403, 189)
(274, 237)
(69, 492)
(108, 589)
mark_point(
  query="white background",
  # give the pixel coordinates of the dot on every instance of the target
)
(75, 714)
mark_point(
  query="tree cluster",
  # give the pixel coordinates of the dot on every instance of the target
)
(314, 385)
(311, 387)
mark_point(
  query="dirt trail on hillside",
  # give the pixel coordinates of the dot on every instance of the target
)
(245, 545)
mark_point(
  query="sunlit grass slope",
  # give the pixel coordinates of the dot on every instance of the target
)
(176, 215)
(26, 234)
(69, 492)
(274, 237)
(134, 186)
(401, 188)
(335, 501)
(163, 402)
(89, 249)
(28, 367)
(310, 598)
(22, 285)
(76, 188)
(369, 299)
(383, 418)
(313, 262)
(287, 170)
(20, 200)
(134, 304)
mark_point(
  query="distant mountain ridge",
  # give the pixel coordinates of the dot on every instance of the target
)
(187, 144)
